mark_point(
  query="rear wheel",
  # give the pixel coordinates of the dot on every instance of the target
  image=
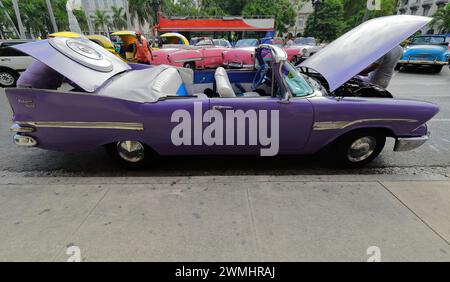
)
(131, 154)
(359, 148)
(8, 78)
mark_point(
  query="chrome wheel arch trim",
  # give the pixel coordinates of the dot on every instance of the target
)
(334, 125)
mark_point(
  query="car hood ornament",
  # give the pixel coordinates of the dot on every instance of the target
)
(354, 51)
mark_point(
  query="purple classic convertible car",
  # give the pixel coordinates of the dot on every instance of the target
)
(136, 111)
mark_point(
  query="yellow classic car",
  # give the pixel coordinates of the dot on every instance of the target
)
(174, 38)
(105, 42)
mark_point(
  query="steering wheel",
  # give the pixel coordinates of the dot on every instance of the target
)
(259, 77)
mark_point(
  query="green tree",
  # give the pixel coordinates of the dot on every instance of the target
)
(355, 11)
(101, 20)
(81, 18)
(441, 19)
(118, 18)
(211, 8)
(327, 22)
(284, 11)
(181, 8)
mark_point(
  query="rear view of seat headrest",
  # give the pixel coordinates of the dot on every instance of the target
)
(169, 82)
(224, 87)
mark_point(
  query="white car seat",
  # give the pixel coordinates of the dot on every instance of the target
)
(224, 87)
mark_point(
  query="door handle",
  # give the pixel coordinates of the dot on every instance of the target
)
(222, 108)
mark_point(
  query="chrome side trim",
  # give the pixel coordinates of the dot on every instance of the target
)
(83, 125)
(21, 129)
(333, 125)
(409, 144)
(187, 60)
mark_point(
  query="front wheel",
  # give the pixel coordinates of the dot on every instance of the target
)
(189, 65)
(357, 149)
(8, 78)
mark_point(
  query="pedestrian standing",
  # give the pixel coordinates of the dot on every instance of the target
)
(143, 53)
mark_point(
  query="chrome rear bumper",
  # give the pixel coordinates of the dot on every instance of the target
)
(20, 139)
(409, 144)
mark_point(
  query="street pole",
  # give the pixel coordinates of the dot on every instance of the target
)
(127, 12)
(9, 19)
(19, 19)
(52, 16)
(87, 14)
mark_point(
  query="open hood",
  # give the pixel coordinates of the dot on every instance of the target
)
(350, 54)
(85, 63)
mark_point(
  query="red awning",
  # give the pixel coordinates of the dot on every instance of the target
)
(225, 24)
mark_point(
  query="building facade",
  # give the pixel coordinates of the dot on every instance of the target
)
(421, 8)
(306, 9)
(106, 6)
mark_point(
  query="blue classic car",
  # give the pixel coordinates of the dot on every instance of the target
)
(430, 51)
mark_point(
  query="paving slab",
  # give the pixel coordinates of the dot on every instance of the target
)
(37, 220)
(428, 200)
(339, 222)
(198, 222)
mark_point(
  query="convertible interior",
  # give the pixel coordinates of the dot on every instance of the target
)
(146, 85)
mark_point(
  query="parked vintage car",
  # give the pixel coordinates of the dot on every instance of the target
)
(427, 51)
(136, 110)
(173, 38)
(242, 55)
(303, 48)
(201, 56)
(104, 42)
(12, 62)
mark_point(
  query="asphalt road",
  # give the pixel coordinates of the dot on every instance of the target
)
(434, 157)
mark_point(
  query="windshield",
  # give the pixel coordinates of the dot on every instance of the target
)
(305, 41)
(428, 40)
(247, 43)
(295, 81)
(206, 42)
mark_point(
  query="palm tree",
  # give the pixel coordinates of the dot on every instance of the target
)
(101, 20)
(118, 17)
(140, 11)
(441, 19)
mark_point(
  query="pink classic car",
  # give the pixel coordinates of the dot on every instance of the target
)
(201, 56)
(302, 49)
(242, 56)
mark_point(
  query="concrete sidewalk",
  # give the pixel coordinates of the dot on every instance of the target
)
(251, 218)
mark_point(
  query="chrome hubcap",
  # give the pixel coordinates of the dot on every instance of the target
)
(362, 149)
(131, 151)
(6, 79)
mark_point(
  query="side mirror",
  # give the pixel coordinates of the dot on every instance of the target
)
(286, 99)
